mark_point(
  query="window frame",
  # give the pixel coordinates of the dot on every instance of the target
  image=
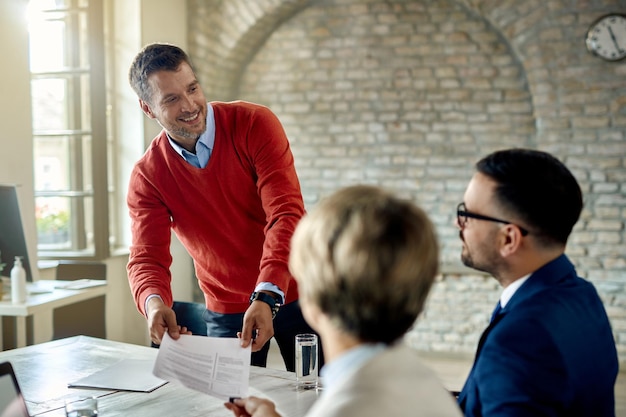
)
(96, 73)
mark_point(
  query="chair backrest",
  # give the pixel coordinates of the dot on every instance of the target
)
(73, 270)
(86, 317)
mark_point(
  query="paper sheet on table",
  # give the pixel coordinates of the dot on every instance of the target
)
(126, 375)
(213, 365)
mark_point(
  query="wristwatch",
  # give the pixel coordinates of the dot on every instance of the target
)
(272, 301)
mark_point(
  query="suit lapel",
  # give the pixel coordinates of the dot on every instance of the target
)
(497, 317)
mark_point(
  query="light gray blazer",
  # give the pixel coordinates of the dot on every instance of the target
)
(393, 383)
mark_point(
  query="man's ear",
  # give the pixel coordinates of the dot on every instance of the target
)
(510, 239)
(146, 108)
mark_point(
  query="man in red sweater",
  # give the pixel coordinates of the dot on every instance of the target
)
(222, 176)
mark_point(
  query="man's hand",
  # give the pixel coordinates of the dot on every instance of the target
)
(161, 318)
(257, 321)
(252, 407)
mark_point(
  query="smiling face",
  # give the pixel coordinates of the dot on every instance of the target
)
(178, 104)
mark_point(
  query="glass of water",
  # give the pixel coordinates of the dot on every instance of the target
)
(83, 407)
(307, 361)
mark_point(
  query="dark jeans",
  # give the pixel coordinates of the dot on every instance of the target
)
(287, 324)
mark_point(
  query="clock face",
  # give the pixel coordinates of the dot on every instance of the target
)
(607, 37)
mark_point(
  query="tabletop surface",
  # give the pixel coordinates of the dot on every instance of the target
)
(45, 369)
(46, 294)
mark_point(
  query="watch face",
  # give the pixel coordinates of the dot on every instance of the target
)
(606, 37)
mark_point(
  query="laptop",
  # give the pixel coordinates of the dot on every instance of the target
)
(12, 402)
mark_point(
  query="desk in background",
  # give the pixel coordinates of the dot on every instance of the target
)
(44, 370)
(41, 303)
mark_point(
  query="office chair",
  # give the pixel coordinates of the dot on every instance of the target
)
(85, 317)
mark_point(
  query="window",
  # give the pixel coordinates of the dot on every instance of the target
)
(69, 128)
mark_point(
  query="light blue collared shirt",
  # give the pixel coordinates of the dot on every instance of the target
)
(334, 372)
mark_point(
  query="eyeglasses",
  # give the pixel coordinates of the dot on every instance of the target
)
(462, 215)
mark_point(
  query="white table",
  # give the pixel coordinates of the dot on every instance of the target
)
(44, 370)
(40, 306)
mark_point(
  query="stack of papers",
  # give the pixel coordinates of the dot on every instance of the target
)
(126, 375)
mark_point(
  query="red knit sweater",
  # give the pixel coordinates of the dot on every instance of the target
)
(235, 217)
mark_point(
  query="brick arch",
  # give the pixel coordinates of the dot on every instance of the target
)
(407, 105)
(514, 19)
(224, 35)
(523, 25)
(237, 28)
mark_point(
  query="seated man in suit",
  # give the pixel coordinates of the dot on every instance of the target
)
(549, 349)
(364, 262)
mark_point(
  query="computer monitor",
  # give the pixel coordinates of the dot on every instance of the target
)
(12, 236)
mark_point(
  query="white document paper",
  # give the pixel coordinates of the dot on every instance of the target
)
(213, 365)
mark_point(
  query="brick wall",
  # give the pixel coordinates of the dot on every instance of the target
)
(409, 94)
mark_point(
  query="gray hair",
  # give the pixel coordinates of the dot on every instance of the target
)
(368, 260)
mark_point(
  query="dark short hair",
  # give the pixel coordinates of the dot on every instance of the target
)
(537, 188)
(152, 58)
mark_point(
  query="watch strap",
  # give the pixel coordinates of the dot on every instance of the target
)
(266, 298)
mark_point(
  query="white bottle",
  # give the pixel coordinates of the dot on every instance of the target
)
(18, 282)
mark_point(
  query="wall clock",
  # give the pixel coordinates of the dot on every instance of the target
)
(606, 37)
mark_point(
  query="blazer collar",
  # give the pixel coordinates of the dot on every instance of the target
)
(547, 276)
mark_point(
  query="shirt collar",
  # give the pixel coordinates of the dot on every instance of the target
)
(509, 291)
(207, 138)
(333, 372)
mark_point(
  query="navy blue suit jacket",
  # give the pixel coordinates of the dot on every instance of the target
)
(549, 352)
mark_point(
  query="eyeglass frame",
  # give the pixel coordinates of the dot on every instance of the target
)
(461, 211)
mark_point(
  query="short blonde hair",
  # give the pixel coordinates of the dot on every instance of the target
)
(367, 259)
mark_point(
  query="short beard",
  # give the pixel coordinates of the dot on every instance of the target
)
(184, 133)
(468, 261)
(492, 264)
